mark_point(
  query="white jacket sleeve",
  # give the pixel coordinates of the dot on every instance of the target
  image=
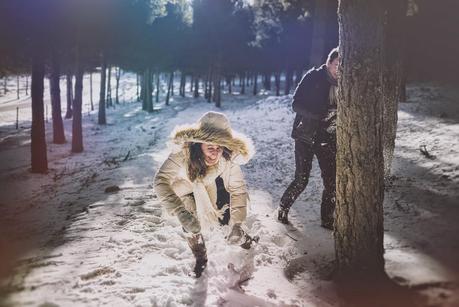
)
(163, 184)
(238, 191)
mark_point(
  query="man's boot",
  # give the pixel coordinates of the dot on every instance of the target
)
(282, 215)
(196, 243)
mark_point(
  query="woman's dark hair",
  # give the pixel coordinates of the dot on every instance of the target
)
(197, 167)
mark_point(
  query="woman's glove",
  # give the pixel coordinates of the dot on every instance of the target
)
(236, 234)
(189, 222)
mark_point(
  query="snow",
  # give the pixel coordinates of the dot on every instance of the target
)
(78, 245)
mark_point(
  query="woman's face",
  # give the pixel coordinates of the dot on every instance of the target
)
(212, 153)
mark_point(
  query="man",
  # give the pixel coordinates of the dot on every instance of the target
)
(314, 131)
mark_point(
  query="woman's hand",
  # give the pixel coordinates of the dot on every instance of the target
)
(189, 222)
(236, 234)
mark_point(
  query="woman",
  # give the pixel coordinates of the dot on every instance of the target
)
(202, 184)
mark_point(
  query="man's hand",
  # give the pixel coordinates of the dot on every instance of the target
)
(189, 222)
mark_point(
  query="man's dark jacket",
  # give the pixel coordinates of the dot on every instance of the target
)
(311, 103)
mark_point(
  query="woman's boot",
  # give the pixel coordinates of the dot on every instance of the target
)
(196, 243)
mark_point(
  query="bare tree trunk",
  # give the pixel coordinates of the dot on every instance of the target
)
(77, 128)
(169, 87)
(137, 83)
(27, 86)
(182, 84)
(360, 174)
(68, 113)
(38, 141)
(242, 83)
(196, 87)
(55, 93)
(109, 87)
(157, 87)
(5, 85)
(17, 87)
(255, 84)
(288, 81)
(217, 90)
(102, 118)
(117, 76)
(277, 77)
(149, 90)
(90, 91)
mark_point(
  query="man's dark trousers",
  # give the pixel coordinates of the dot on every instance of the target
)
(324, 147)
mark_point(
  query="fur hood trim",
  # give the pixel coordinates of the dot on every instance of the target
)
(213, 128)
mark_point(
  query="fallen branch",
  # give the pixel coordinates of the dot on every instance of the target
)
(424, 151)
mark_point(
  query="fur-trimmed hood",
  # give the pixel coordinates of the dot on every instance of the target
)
(213, 128)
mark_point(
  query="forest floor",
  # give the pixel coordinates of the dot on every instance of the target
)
(67, 241)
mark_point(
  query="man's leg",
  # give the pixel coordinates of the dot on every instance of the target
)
(326, 155)
(303, 162)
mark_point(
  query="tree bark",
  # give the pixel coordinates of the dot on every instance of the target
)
(77, 129)
(196, 87)
(55, 93)
(360, 175)
(149, 90)
(102, 118)
(38, 142)
(90, 91)
(17, 87)
(157, 87)
(255, 84)
(68, 113)
(182, 84)
(169, 87)
(277, 78)
(117, 76)
(109, 87)
(288, 81)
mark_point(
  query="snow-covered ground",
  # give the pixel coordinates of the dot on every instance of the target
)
(80, 246)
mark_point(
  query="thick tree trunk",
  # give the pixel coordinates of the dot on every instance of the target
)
(242, 84)
(77, 129)
(102, 118)
(255, 84)
(68, 113)
(38, 141)
(27, 86)
(392, 75)
(55, 93)
(360, 174)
